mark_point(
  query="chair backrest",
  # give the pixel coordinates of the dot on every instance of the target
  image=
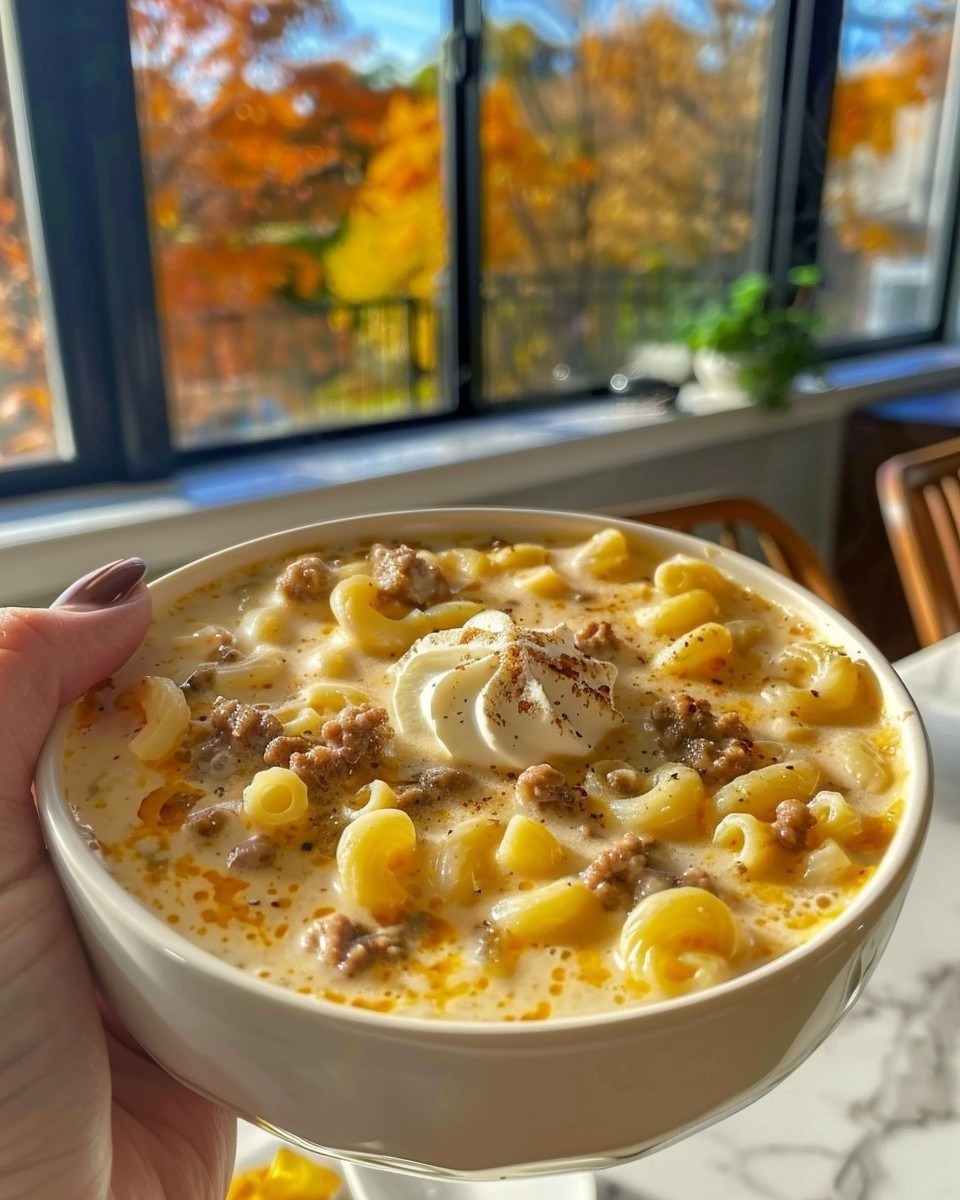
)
(743, 524)
(919, 494)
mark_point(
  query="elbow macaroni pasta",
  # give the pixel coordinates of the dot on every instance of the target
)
(370, 853)
(828, 865)
(465, 860)
(678, 941)
(588, 776)
(529, 849)
(373, 797)
(680, 613)
(541, 581)
(759, 792)
(702, 651)
(167, 718)
(545, 912)
(682, 574)
(834, 816)
(275, 796)
(353, 601)
(670, 806)
(606, 554)
(825, 686)
(751, 840)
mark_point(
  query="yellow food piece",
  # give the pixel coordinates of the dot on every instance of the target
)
(275, 796)
(529, 849)
(605, 553)
(542, 581)
(681, 613)
(544, 913)
(678, 941)
(167, 717)
(289, 1177)
(521, 554)
(370, 852)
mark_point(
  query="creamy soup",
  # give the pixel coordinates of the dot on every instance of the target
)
(474, 779)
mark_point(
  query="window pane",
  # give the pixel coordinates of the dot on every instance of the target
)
(33, 428)
(620, 144)
(886, 195)
(293, 153)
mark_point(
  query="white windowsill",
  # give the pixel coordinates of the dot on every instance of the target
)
(48, 540)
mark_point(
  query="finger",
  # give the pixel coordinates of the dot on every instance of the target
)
(48, 657)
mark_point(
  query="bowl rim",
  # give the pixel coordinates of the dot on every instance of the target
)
(87, 871)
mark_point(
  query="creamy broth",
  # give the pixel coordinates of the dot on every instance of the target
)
(491, 781)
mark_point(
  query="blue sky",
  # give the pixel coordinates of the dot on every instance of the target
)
(407, 32)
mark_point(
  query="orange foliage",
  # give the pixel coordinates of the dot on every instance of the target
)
(604, 165)
(866, 105)
(247, 181)
(866, 127)
(26, 419)
(394, 238)
(200, 277)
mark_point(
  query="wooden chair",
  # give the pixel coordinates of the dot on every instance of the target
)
(919, 495)
(743, 524)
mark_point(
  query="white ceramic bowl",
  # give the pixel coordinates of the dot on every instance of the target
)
(475, 1099)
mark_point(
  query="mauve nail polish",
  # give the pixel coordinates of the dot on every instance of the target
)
(104, 586)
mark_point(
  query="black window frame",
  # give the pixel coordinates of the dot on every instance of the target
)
(77, 77)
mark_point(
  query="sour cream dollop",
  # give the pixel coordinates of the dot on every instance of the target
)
(496, 694)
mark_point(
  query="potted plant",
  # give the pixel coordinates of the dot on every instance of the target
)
(747, 345)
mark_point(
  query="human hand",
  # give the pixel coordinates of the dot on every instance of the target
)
(85, 1114)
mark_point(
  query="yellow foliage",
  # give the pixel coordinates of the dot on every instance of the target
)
(394, 242)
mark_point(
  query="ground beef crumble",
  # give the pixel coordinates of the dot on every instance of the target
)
(433, 783)
(718, 747)
(621, 874)
(400, 573)
(207, 822)
(349, 946)
(545, 785)
(206, 673)
(792, 823)
(253, 854)
(239, 729)
(306, 579)
(350, 743)
(615, 872)
(596, 637)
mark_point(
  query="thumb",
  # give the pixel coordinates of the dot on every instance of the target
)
(48, 657)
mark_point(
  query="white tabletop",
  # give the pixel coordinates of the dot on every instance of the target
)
(874, 1114)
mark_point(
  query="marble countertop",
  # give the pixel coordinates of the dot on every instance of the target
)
(874, 1113)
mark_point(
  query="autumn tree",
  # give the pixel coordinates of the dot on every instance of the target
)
(26, 420)
(873, 104)
(245, 147)
(254, 145)
(628, 145)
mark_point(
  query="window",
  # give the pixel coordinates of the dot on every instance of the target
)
(32, 424)
(292, 153)
(358, 213)
(619, 155)
(889, 195)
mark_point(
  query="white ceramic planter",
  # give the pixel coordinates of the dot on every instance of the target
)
(669, 361)
(719, 374)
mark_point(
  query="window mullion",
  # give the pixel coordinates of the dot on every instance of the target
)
(78, 86)
(462, 142)
(948, 276)
(811, 61)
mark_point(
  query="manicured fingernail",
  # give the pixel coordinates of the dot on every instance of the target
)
(107, 585)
